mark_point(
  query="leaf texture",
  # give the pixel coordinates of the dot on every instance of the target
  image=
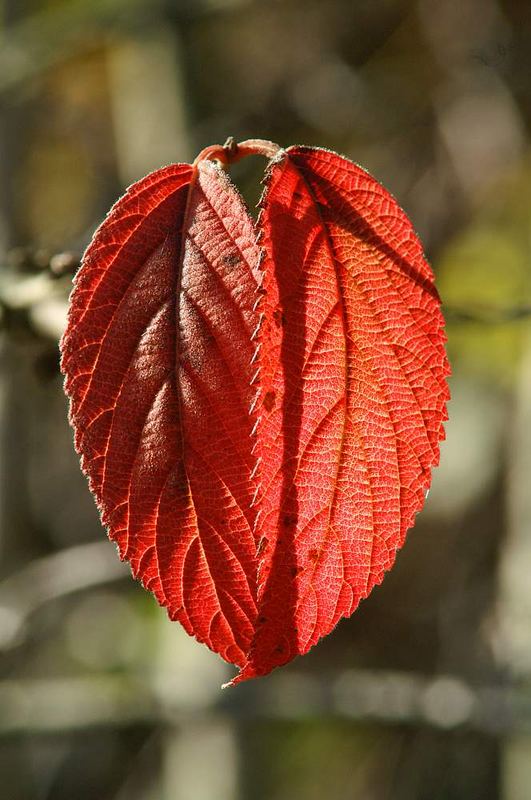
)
(352, 396)
(258, 420)
(157, 362)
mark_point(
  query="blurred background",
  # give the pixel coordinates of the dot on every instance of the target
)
(425, 694)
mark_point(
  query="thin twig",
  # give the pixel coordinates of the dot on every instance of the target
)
(41, 297)
(63, 705)
(71, 570)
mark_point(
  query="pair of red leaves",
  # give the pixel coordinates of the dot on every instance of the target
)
(257, 406)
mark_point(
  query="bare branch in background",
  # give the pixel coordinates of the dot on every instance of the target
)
(441, 702)
(36, 287)
(49, 578)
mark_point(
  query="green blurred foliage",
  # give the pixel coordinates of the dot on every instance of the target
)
(485, 270)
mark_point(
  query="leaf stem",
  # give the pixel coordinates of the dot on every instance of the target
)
(233, 151)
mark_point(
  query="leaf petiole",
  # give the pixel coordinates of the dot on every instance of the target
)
(232, 151)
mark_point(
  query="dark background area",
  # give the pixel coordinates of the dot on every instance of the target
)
(425, 693)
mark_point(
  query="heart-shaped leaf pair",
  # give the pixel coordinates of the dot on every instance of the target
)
(257, 407)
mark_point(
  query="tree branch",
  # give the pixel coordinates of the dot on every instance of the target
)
(442, 702)
(49, 578)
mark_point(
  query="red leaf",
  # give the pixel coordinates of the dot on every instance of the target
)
(257, 529)
(157, 362)
(352, 397)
